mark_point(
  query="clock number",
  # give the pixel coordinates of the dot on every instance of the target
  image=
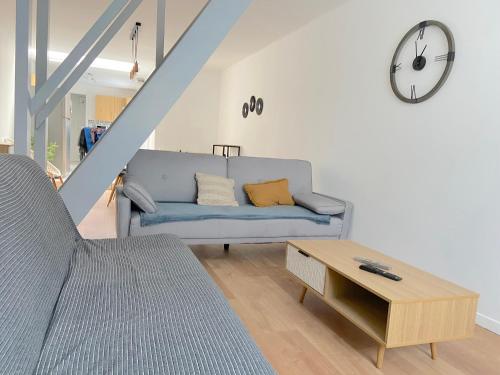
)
(413, 93)
(421, 31)
(450, 56)
(395, 68)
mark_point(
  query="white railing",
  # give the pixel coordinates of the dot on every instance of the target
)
(49, 92)
(149, 106)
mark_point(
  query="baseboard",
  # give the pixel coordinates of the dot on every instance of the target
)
(489, 323)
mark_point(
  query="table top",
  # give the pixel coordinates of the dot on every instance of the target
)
(416, 285)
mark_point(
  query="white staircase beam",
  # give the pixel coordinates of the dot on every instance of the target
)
(22, 96)
(42, 42)
(160, 31)
(156, 97)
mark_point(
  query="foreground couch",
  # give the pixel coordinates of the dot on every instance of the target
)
(170, 178)
(141, 305)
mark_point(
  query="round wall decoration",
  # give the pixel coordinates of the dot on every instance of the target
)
(244, 110)
(422, 62)
(259, 106)
(252, 104)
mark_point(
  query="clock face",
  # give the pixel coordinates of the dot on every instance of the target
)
(422, 62)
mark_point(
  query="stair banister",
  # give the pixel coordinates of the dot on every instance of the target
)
(87, 61)
(69, 63)
(148, 107)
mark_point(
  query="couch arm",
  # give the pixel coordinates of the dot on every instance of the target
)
(320, 204)
(123, 213)
(346, 216)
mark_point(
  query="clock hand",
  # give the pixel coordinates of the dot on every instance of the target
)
(416, 49)
(423, 50)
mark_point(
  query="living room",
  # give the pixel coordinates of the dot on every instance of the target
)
(378, 117)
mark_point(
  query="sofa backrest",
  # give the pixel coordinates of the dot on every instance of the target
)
(246, 170)
(37, 241)
(169, 176)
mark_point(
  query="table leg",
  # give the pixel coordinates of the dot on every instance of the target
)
(380, 356)
(303, 295)
(113, 190)
(433, 350)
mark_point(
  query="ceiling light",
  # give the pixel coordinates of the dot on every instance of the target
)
(107, 64)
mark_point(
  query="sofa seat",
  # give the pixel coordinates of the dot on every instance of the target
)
(281, 223)
(171, 212)
(144, 305)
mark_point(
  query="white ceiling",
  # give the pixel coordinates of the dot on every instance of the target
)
(264, 22)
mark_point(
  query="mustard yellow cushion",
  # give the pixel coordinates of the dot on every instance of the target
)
(269, 193)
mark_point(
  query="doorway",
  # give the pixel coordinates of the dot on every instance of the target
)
(78, 121)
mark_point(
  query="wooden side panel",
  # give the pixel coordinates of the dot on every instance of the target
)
(430, 321)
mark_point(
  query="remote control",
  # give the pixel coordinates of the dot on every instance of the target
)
(372, 263)
(380, 272)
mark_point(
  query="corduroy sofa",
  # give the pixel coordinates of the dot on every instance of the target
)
(141, 305)
(170, 178)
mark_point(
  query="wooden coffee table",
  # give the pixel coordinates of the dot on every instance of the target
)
(420, 309)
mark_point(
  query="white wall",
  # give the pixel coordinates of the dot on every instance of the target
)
(424, 179)
(192, 124)
(7, 43)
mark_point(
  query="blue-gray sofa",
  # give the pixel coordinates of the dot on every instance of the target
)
(138, 305)
(169, 177)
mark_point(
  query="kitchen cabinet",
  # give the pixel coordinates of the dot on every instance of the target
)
(108, 108)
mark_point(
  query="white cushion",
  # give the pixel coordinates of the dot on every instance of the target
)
(215, 190)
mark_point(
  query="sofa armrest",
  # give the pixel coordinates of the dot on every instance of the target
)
(123, 213)
(346, 215)
(319, 203)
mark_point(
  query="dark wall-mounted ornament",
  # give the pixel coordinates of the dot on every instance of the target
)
(244, 110)
(259, 106)
(252, 103)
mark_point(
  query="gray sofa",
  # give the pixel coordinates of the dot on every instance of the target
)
(141, 305)
(170, 177)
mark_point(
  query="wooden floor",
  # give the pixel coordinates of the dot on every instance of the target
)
(311, 338)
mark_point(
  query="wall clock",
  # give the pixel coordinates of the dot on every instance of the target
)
(422, 62)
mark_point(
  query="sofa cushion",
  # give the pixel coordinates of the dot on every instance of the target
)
(245, 170)
(269, 193)
(134, 191)
(169, 212)
(37, 241)
(170, 176)
(320, 204)
(145, 305)
(215, 190)
(241, 230)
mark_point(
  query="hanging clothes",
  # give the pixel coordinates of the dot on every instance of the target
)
(82, 144)
(88, 138)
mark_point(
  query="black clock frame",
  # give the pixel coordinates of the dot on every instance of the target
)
(450, 58)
